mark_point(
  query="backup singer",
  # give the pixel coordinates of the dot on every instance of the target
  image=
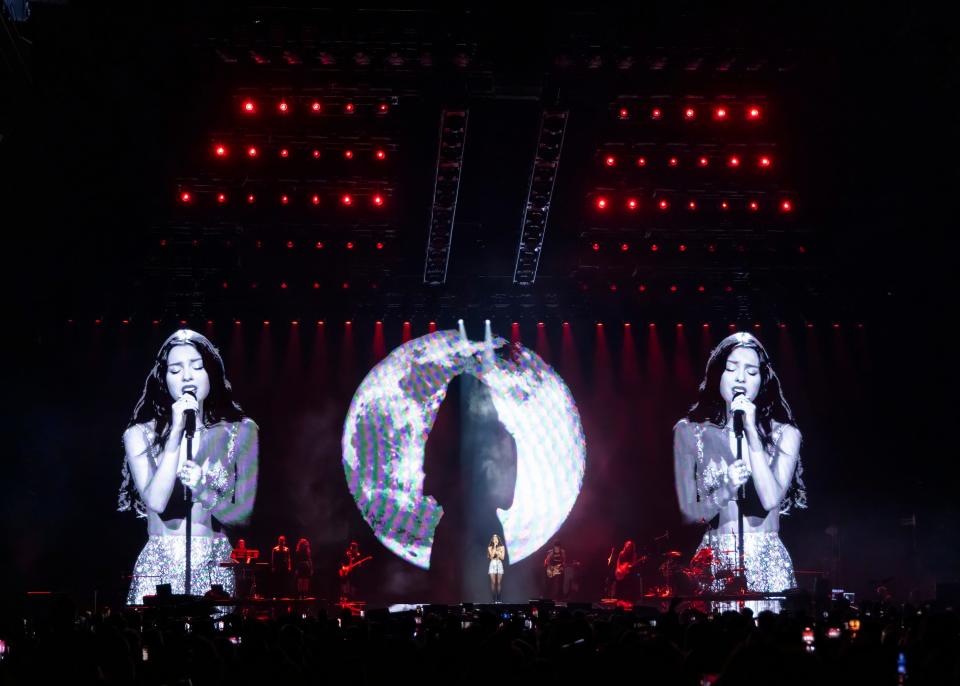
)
(496, 552)
(303, 566)
(739, 376)
(187, 375)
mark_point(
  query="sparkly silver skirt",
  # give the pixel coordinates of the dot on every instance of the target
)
(163, 561)
(767, 564)
(495, 566)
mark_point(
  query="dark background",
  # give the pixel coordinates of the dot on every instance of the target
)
(106, 109)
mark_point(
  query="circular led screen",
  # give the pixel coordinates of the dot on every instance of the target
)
(390, 418)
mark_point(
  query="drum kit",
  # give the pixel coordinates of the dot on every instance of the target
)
(705, 573)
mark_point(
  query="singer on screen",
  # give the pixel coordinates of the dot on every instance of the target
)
(186, 390)
(713, 486)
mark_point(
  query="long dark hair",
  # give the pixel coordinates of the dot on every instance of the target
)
(771, 405)
(499, 538)
(155, 401)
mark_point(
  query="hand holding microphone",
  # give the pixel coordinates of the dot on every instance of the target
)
(744, 413)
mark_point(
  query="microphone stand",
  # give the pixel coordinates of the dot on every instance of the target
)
(741, 499)
(188, 496)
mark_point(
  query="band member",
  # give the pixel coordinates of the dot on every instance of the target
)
(623, 571)
(352, 558)
(304, 567)
(554, 565)
(708, 476)
(243, 556)
(159, 481)
(281, 565)
(496, 552)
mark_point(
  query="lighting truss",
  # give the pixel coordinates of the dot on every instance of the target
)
(446, 188)
(553, 125)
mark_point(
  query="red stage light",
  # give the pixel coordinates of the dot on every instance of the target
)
(186, 196)
(624, 247)
(728, 289)
(346, 199)
(624, 113)
(764, 161)
(682, 247)
(349, 245)
(711, 248)
(610, 161)
(679, 325)
(284, 199)
(348, 154)
(701, 289)
(724, 205)
(284, 152)
(249, 106)
(294, 322)
(221, 198)
(316, 154)
(283, 285)
(601, 203)
(641, 161)
(319, 245)
(720, 113)
(632, 203)
(266, 322)
(733, 161)
(664, 204)
(379, 246)
(656, 113)
(706, 326)
(383, 108)
(703, 161)
(689, 114)
(642, 288)
(283, 107)
(315, 106)
(251, 199)
(786, 206)
(220, 150)
(654, 247)
(613, 287)
(692, 205)
(378, 200)
(380, 154)
(349, 108)
(596, 247)
(290, 244)
(801, 249)
(673, 289)
(316, 285)
(673, 161)
(315, 199)
(753, 113)
(753, 205)
(252, 151)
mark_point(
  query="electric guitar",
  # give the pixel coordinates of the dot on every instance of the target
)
(346, 569)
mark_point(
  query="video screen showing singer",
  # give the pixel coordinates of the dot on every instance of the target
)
(187, 376)
(740, 377)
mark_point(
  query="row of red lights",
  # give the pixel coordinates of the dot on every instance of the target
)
(345, 199)
(222, 151)
(286, 106)
(433, 325)
(701, 162)
(596, 246)
(720, 113)
(632, 204)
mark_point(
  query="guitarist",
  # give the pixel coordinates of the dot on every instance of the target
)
(554, 565)
(626, 561)
(352, 559)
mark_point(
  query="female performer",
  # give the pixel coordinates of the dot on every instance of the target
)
(303, 566)
(159, 482)
(739, 377)
(496, 552)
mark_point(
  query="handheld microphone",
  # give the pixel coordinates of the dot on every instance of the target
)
(738, 418)
(190, 418)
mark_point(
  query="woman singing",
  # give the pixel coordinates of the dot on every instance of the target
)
(303, 566)
(187, 375)
(496, 552)
(708, 476)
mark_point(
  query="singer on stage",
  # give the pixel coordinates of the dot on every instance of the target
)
(740, 378)
(159, 481)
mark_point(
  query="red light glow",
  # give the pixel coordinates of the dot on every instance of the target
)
(378, 200)
(601, 203)
(315, 199)
(641, 161)
(221, 198)
(764, 161)
(632, 203)
(284, 153)
(252, 151)
(251, 199)
(720, 113)
(186, 196)
(349, 108)
(316, 154)
(249, 106)
(220, 151)
(315, 106)
(786, 206)
(673, 161)
(656, 113)
(624, 113)
(610, 161)
(346, 199)
(283, 107)
(753, 205)
(380, 154)
(692, 205)
(349, 245)
(624, 247)
(348, 154)
(703, 161)
(664, 204)
(733, 161)
(689, 114)
(383, 108)
(284, 199)
(753, 113)
(596, 247)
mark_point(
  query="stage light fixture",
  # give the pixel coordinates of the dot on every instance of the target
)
(764, 161)
(283, 107)
(692, 205)
(290, 245)
(186, 197)
(703, 161)
(284, 199)
(349, 108)
(610, 161)
(284, 153)
(641, 161)
(346, 199)
(349, 245)
(596, 247)
(753, 206)
(601, 203)
(380, 154)
(753, 113)
(378, 200)
(220, 150)
(252, 151)
(642, 288)
(221, 198)
(315, 106)
(654, 247)
(379, 245)
(249, 107)
(251, 198)
(786, 206)
(673, 162)
(682, 247)
(724, 205)
(348, 154)
(733, 161)
(689, 114)
(656, 113)
(624, 247)
(383, 108)
(664, 204)
(624, 113)
(316, 154)
(720, 113)
(632, 203)
(315, 199)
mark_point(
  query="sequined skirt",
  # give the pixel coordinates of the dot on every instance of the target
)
(495, 567)
(163, 561)
(767, 563)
